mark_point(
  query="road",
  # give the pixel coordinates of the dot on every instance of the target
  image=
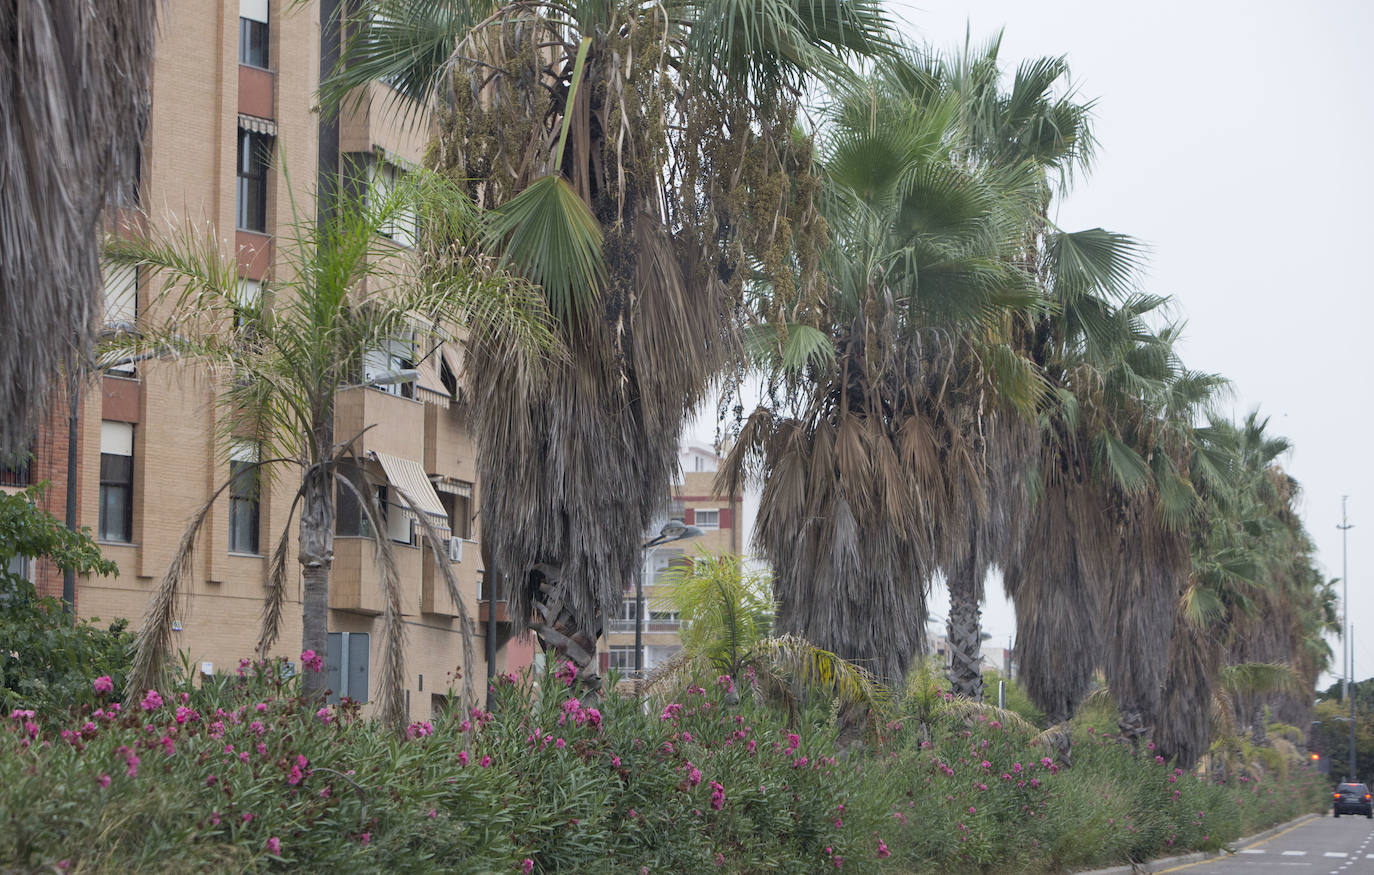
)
(1322, 845)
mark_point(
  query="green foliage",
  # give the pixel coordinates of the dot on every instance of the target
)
(236, 774)
(48, 659)
(725, 608)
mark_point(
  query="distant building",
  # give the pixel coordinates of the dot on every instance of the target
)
(993, 659)
(694, 503)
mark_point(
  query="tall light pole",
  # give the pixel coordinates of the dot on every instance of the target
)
(1347, 646)
(672, 531)
(1347, 679)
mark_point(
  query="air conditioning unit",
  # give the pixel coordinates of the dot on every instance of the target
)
(455, 549)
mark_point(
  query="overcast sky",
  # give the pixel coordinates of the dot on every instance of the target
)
(1236, 142)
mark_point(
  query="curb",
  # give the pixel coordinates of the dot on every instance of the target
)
(1163, 863)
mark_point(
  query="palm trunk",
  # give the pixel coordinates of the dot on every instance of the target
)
(316, 553)
(964, 633)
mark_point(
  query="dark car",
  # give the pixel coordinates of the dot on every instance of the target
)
(1352, 799)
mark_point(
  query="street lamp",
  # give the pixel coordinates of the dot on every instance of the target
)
(671, 531)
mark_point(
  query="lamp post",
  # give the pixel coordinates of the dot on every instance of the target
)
(1347, 644)
(671, 531)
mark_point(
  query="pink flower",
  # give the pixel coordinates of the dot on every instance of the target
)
(567, 673)
(260, 707)
(615, 761)
(151, 701)
(693, 775)
(103, 781)
(103, 684)
(365, 839)
(247, 818)
(257, 727)
(296, 776)
(560, 744)
(274, 846)
(312, 661)
(462, 758)
(717, 796)
(214, 818)
(433, 813)
(324, 714)
(486, 761)
(527, 865)
(720, 859)
(183, 714)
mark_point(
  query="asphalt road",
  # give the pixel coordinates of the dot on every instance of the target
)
(1322, 845)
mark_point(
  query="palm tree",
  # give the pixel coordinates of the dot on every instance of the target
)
(643, 164)
(726, 611)
(74, 104)
(279, 365)
(882, 400)
(1041, 125)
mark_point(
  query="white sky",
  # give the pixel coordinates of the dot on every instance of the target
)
(1235, 141)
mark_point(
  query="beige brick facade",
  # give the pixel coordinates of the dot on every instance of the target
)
(199, 92)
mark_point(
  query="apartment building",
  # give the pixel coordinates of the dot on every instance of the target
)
(694, 503)
(232, 145)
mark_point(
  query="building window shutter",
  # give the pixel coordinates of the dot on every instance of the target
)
(688, 517)
(727, 517)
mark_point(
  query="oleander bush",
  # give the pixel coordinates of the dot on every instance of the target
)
(239, 774)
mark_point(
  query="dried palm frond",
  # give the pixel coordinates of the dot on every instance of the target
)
(276, 583)
(154, 640)
(74, 105)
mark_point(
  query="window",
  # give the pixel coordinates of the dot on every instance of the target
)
(387, 364)
(116, 481)
(383, 178)
(622, 657)
(677, 510)
(396, 516)
(247, 296)
(254, 160)
(706, 519)
(121, 295)
(346, 666)
(456, 497)
(349, 519)
(244, 483)
(253, 33)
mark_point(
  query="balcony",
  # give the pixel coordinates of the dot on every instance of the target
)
(398, 423)
(434, 594)
(355, 581)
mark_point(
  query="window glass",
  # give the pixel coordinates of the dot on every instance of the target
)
(254, 160)
(349, 518)
(243, 504)
(253, 43)
(347, 665)
(707, 519)
(116, 482)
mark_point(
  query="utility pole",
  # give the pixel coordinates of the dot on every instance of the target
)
(1345, 604)
(1353, 776)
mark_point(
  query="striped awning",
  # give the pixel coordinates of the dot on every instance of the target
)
(410, 478)
(258, 125)
(460, 488)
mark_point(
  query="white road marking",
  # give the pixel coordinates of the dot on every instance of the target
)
(1252, 851)
(1335, 854)
(1295, 853)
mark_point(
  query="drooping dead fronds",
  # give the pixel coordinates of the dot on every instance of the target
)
(276, 583)
(74, 104)
(391, 706)
(154, 639)
(439, 549)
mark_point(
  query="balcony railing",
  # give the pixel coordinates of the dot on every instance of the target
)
(17, 474)
(619, 625)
